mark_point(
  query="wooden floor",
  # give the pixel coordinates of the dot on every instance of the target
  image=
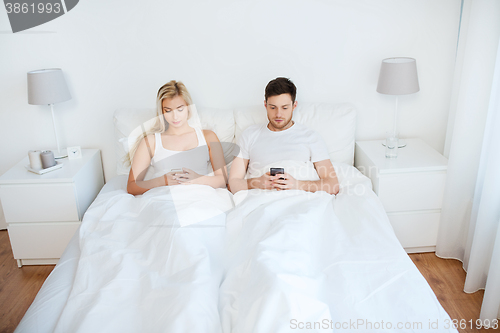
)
(19, 286)
(446, 278)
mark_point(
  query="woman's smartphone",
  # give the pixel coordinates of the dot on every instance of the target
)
(176, 170)
(276, 171)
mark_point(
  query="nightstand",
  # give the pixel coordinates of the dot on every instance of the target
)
(410, 187)
(44, 211)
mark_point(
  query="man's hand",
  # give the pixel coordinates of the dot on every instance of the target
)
(285, 182)
(263, 182)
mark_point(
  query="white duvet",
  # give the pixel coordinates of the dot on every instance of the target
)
(319, 263)
(149, 263)
(183, 259)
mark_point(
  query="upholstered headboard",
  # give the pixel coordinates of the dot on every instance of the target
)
(336, 123)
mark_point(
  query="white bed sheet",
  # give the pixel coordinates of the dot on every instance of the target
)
(48, 304)
(149, 263)
(368, 277)
(317, 263)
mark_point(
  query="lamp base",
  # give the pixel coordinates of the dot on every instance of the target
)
(62, 154)
(401, 143)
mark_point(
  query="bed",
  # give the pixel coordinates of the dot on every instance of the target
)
(258, 261)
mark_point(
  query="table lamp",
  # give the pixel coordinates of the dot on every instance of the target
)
(47, 87)
(398, 76)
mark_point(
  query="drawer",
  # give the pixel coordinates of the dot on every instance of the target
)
(418, 229)
(412, 191)
(37, 240)
(39, 202)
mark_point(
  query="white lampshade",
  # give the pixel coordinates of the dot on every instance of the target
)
(398, 76)
(47, 86)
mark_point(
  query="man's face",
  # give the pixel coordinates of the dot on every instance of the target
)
(279, 111)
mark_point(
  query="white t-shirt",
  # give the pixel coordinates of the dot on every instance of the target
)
(263, 147)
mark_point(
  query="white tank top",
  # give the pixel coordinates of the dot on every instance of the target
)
(196, 159)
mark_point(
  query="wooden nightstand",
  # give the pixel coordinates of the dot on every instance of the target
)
(44, 211)
(410, 187)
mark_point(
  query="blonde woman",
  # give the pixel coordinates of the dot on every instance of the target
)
(178, 153)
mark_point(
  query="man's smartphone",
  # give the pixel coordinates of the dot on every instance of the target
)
(276, 171)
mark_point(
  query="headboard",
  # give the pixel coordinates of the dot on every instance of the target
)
(336, 123)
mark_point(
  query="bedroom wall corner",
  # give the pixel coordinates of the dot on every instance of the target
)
(3, 223)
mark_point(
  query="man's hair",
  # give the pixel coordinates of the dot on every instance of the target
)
(281, 85)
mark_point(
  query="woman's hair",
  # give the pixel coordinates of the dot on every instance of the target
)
(167, 91)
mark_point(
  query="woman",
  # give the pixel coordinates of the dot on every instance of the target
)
(178, 153)
(153, 263)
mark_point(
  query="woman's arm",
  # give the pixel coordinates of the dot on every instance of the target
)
(219, 179)
(142, 158)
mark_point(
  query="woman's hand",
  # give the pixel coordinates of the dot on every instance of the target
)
(171, 179)
(186, 178)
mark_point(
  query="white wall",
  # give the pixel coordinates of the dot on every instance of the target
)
(117, 53)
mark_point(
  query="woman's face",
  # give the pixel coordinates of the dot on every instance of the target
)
(175, 111)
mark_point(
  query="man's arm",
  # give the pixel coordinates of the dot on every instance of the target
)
(328, 180)
(237, 181)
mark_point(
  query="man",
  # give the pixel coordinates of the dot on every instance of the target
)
(281, 139)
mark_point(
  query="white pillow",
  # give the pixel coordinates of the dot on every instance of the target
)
(128, 129)
(336, 123)
(127, 121)
(218, 120)
(245, 117)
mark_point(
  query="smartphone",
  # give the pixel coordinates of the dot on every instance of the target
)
(276, 171)
(176, 170)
